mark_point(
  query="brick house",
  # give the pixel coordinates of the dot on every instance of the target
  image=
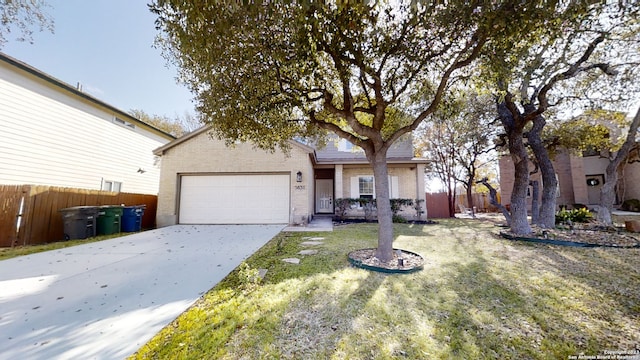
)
(202, 181)
(580, 179)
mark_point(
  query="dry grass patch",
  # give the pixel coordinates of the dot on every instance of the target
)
(478, 297)
(11, 252)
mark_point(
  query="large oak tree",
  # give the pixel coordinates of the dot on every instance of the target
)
(266, 72)
(554, 68)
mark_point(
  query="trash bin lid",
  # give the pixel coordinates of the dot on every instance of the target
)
(82, 208)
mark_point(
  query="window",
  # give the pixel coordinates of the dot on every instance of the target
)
(591, 151)
(110, 185)
(365, 187)
(119, 121)
(345, 146)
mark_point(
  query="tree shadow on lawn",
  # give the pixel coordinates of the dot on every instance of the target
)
(612, 275)
(482, 315)
(493, 298)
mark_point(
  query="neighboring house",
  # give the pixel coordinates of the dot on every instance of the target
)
(580, 179)
(54, 134)
(205, 182)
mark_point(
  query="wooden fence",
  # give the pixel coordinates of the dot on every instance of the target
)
(437, 204)
(480, 201)
(29, 214)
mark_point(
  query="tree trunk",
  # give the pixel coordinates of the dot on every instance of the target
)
(607, 192)
(547, 215)
(385, 221)
(451, 200)
(493, 200)
(514, 129)
(470, 196)
(535, 205)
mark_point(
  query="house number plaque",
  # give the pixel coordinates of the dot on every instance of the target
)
(300, 187)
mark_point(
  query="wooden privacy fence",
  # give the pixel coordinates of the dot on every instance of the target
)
(29, 214)
(480, 201)
(437, 204)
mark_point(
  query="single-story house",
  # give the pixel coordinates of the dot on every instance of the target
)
(580, 178)
(202, 181)
(55, 134)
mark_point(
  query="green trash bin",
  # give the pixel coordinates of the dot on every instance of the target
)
(109, 219)
(79, 222)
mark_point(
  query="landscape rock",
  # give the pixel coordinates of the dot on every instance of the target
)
(292, 260)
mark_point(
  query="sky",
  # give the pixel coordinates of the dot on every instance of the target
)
(107, 46)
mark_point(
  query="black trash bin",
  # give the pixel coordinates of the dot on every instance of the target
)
(79, 222)
(132, 218)
(109, 219)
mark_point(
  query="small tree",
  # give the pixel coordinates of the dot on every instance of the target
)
(457, 140)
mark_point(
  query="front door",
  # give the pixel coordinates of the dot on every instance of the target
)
(324, 196)
(594, 184)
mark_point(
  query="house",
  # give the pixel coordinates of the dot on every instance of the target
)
(54, 134)
(580, 178)
(202, 181)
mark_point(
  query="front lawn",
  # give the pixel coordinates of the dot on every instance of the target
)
(478, 297)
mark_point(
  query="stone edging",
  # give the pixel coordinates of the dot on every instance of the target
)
(359, 264)
(563, 242)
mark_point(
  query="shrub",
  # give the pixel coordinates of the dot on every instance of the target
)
(343, 205)
(581, 215)
(631, 205)
(417, 205)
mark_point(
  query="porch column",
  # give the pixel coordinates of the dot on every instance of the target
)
(337, 180)
(420, 193)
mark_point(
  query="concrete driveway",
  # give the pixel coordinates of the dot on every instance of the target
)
(104, 300)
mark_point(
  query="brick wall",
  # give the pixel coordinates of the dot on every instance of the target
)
(201, 154)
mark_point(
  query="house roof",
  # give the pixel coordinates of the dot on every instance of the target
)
(75, 92)
(400, 153)
(161, 150)
(340, 151)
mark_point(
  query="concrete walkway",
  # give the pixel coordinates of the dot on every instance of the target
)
(106, 299)
(319, 223)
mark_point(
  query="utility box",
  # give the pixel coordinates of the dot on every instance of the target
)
(79, 222)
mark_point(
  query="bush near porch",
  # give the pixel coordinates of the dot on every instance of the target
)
(363, 208)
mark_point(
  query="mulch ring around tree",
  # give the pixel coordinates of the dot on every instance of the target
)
(581, 236)
(403, 261)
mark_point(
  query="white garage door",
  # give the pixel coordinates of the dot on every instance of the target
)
(234, 199)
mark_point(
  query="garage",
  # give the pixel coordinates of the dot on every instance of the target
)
(234, 199)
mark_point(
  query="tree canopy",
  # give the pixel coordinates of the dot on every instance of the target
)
(559, 65)
(266, 72)
(19, 17)
(177, 126)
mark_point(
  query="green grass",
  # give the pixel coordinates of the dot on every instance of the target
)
(478, 297)
(8, 253)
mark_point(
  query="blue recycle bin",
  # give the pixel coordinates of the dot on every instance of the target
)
(132, 218)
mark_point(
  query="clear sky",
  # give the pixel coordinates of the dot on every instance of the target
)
(107, 46)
